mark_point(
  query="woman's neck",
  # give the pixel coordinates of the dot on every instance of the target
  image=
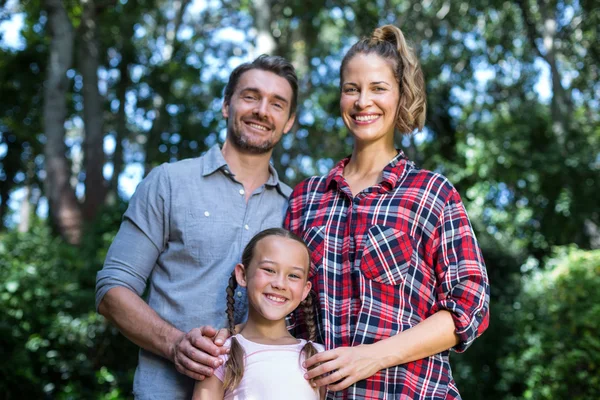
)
(366, 165)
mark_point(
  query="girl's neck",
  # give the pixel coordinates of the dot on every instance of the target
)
(266, 332)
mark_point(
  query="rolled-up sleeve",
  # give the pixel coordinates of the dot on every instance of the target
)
(141, 238)
(463, 286)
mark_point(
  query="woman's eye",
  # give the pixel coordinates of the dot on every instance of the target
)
(380, 89)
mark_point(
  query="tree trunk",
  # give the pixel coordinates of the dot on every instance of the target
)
(62, 201)
(265, 43)
(94, 158)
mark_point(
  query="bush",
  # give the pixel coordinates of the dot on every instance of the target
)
(54, 345)
(557, 347)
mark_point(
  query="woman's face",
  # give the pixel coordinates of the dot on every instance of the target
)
(369, 98)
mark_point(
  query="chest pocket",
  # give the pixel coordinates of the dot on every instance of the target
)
(388, 255)
(315, 240)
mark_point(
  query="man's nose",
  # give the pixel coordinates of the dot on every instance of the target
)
(261, 109)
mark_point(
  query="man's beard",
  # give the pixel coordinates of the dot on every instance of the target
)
(243, 143)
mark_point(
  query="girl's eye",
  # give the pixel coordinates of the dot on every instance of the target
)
(294, 276)
(269, 270)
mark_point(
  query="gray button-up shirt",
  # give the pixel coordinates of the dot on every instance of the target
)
(183, 233)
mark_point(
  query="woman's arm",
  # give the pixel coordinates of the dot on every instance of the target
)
(347, 365)
(209, 389)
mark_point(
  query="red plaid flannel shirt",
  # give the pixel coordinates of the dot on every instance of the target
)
(387, 259)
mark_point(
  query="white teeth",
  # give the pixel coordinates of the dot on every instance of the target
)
(262, 128)
(365, 117)
(276, 298)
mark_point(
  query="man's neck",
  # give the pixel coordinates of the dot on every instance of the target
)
(251, 170)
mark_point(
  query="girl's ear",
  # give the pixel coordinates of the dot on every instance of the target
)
(240, 275)
(306, 290)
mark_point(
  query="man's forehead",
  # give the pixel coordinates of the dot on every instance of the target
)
(267, 82)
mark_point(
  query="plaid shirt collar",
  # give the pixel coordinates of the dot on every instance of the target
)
(392, 176)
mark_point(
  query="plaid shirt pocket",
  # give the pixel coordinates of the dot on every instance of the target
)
(315, 240)
(388, 255)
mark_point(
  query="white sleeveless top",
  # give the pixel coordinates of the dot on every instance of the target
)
(272, 372)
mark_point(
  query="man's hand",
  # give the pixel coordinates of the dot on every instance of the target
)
(196, 353)
(344, 366)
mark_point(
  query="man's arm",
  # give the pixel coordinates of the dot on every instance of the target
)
(194, 353)
(130, 260)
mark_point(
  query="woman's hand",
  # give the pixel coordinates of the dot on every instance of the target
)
(342, 366)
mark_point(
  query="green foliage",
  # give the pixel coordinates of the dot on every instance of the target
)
(557, 320)
(54, 345)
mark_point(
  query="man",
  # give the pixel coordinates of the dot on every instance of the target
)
(185, 229)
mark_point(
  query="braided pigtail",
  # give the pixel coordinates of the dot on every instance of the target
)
(389, 43)
(234, 367)
(308, 310)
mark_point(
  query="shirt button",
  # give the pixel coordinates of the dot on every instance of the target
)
(246, 227)
(242, 191)
(206, 213)
(239, 294)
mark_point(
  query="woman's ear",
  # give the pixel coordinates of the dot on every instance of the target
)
(240, 275)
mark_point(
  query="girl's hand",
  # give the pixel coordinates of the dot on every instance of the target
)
(342, 366)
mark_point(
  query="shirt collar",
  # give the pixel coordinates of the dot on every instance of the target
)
(213, 160)
(392, 172)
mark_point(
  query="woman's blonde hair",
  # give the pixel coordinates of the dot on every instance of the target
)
(234, 367)
(389, 43)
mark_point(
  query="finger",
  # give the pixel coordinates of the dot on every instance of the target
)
(332, 378)
(320, 358)
(207, 330)
(204, 344)
(322, 369)
(192, 369)
(221, 336)
(343, 384)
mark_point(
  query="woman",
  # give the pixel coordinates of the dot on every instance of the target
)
(398, 271)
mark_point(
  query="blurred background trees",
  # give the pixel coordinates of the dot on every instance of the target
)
(94, 94)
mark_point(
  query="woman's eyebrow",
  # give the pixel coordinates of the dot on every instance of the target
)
(380, 82)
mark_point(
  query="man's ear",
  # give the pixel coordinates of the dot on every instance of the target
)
(240, 275)
(289, 123)
(225, 109)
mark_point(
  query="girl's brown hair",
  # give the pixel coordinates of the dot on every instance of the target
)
(234, 367)
(388, 42)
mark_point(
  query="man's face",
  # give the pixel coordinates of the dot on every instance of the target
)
(258, 113)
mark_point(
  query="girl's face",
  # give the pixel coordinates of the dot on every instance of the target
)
(369, 98)
(276, 279)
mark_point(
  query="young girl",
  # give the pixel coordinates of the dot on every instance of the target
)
(264, 361)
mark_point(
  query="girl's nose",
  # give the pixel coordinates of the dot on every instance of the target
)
(279, 281)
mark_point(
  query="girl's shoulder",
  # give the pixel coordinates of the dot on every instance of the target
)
(320, 348)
